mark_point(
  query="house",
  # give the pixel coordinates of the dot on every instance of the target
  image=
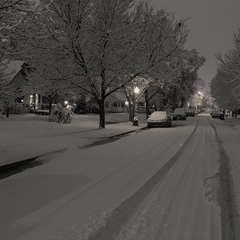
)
(13, 72)
(115, 103)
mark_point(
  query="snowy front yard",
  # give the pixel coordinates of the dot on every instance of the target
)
(29, 135)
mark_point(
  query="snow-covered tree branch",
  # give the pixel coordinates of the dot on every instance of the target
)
(105, 44)
(225, 86)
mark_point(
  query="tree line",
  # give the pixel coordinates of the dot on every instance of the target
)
(225, 85)
(97, 47)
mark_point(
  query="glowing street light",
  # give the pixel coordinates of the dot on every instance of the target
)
(136, 90)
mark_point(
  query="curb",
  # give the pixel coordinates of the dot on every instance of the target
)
(12, 166)
(125, 133)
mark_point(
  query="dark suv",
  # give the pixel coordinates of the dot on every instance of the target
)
(190, 112)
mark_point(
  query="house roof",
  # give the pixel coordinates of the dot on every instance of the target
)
(119, 96)
(10, 68)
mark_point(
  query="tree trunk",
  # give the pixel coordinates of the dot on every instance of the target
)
(34, 101)
(101, 114)
(183, 102)
(147, 104)
(131, 111)
(50, 105)
(7, 111)
(90, 110)
(175, 97)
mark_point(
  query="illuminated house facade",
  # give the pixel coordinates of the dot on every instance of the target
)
(15, 73)
(116, 102)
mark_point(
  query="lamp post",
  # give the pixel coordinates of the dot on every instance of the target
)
(135, 119)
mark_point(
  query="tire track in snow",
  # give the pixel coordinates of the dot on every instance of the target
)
(115, 222)
(226, 196)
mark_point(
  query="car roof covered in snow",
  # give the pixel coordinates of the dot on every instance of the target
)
(158, 115)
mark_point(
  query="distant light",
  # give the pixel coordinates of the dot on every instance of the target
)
(66, 102)
(126, 103)
(22, 100)
(136, 90)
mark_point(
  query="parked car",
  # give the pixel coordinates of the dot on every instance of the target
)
(179, 113)
(159, 119)
(190, 112)
(216, 114)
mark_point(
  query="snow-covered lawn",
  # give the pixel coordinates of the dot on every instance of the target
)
(29, 135)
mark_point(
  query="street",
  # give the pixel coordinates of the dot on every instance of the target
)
(160, 183)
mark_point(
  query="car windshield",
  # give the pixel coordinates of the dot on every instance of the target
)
(158, 115)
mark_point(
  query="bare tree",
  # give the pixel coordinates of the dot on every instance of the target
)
(185, 70)
(12, 13)
(225, 90)
(225, 86)
(105, 44)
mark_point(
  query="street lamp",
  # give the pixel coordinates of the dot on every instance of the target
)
(136, 90)
(135, 119)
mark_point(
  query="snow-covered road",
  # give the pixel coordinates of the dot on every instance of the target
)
(75, 193)
(184, 204)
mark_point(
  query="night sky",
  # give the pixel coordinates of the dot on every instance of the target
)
(211, 24)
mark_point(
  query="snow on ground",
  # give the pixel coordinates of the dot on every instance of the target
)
(29, 135)
(62, 189)
(229, 131)
(182, 207)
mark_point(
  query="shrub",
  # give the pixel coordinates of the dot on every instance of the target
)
(61, 114)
